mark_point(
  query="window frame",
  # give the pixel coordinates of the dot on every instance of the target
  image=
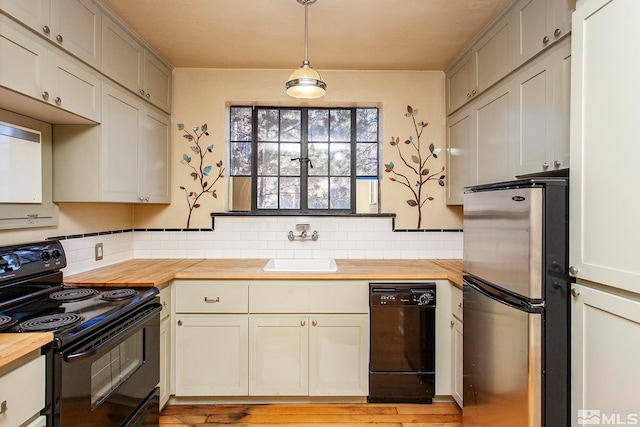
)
(304, 166)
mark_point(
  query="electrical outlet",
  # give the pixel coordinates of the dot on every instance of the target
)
(99, 251)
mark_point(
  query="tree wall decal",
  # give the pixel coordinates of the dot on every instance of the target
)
(200, 173)
(415, 174)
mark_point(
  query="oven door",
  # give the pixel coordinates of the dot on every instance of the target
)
(107, 380)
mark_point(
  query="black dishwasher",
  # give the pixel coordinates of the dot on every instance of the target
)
(402, 357)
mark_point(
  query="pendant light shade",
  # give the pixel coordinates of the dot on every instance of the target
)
(305, 82)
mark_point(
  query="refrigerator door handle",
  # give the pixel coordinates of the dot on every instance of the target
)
(503, 297)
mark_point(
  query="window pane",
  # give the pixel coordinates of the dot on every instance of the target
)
(290, 125)
(290, 193)
(319, 156)
(367, 124)
(318, 125)
(340, 125)
(340, 159)
(268, 158)
(318, 193)
(268, 121)
(240, 129)
(289, 167)
(267, 193)
(366, 159)
(340, 193)
(240, 158)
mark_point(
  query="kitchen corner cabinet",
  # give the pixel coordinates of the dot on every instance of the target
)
(605, 352)
(73, 25)
(539, 24)
(127, 62)
(603, 202)
(165, 345)
(125, 159)
(542, 142)
(456, 344)
(31, 67)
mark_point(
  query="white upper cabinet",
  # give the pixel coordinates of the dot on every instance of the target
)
(459, 160)
(542, 141)
(539, 24)
(73, 25)
(31, 67)
(127, 62)
(605, 127)
(460, 83)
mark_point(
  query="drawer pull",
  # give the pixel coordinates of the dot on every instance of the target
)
(302, 323)
(212, 300)
(3, 407)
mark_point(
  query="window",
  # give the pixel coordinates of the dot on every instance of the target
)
(304, 160)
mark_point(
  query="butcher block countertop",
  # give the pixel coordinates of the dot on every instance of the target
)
(154, 272)
(14, 346)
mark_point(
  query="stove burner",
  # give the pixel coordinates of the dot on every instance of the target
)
(73, 294)
(51, 322)
(6, 322)
(119, 294)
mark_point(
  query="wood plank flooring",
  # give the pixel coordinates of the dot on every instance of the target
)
(441, 414)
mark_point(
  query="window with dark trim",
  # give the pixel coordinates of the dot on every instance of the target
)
(303, 160)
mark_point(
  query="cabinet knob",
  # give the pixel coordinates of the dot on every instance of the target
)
(146, 199)
(45, 95)
(46, 30)
(545, 166)
(573, 270)
(473, 92)
(59, 38)
(302, 323)
(58, 100)
(557, 164)
(459, 305)
(468, 95)
(453, 323)
(141, 92)
(164, 303)
(314, 323)
(557, 32)
(575, 293)
(148, 96)
(179, 322)
(545, 40)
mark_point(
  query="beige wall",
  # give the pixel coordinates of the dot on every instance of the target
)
(203, 95)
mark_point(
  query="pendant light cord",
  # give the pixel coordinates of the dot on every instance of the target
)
(306, 30)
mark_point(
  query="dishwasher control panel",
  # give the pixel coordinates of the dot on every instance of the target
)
(389, 294)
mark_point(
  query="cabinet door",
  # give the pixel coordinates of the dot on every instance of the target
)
(605, 353)
(339, 356)
(278, 356)
(35, 14)
(122, 118)
(531, 26)
(78, 89)
(211, 355)
(76, 27)
(493, 55)
(460, 83)
(604, 144)
(157, 82)
(494, 130)
(23, 60)
(154, 157)
(459, 161)
(456, 360)
(165, 361)
(562, 106)
(122, 56)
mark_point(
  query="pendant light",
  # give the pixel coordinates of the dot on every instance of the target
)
(305, 82)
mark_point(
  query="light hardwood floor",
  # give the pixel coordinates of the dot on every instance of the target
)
(313, 415)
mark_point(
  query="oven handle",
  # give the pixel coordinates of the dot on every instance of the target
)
(121, 329)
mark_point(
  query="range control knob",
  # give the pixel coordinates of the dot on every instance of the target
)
(425, 299)
(45, 256)
(55, 254)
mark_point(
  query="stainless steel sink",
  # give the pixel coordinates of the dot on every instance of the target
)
(301, 265)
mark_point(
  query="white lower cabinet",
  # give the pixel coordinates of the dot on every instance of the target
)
(456, 344)
(22, 392)
(165, 345)
(211, 355)
(605, 353)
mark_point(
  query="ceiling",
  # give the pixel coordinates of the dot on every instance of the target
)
(343, 34)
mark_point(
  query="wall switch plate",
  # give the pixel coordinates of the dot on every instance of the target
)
(99, 251)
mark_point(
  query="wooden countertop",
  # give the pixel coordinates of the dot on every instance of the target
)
(153, 272)
(14, 346)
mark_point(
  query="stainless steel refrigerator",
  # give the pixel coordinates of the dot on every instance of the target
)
(516, 361)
